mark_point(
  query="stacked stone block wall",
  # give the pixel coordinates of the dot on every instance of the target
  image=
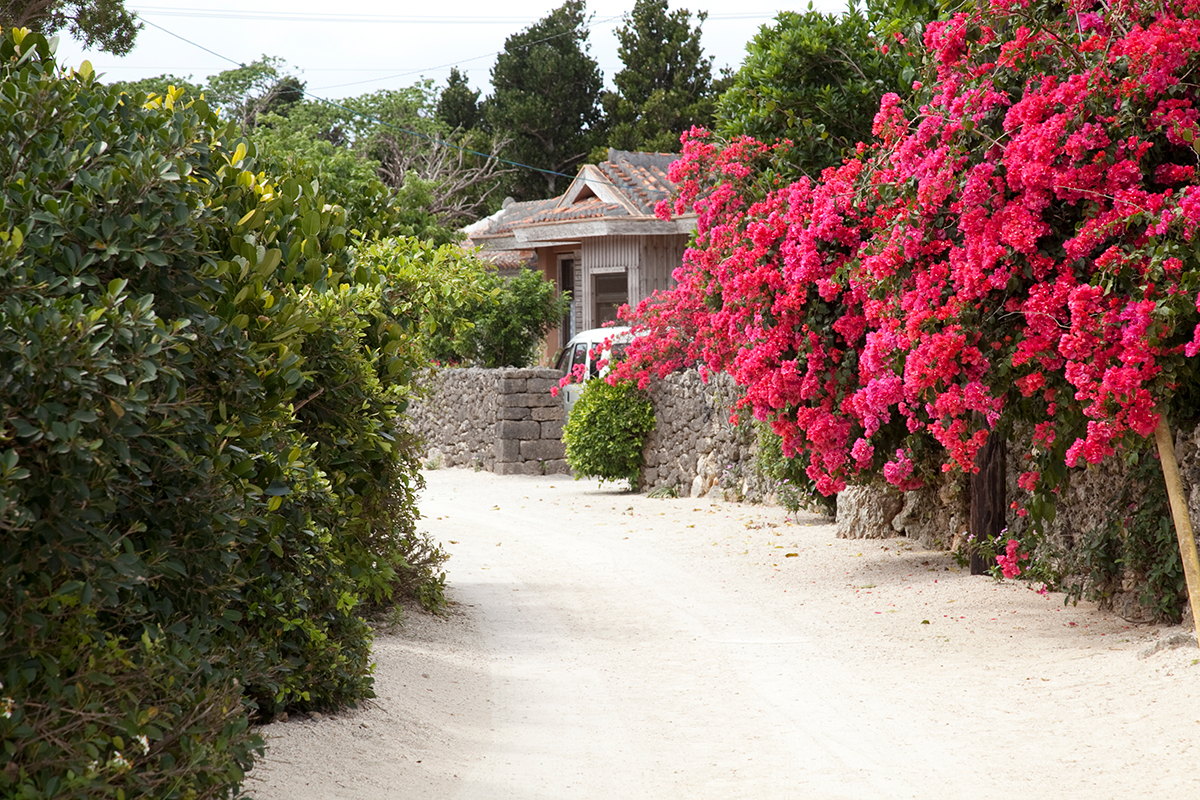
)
(502, 420)
(506, 421)
(694, 448)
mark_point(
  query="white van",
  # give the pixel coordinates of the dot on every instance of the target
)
(579, 351)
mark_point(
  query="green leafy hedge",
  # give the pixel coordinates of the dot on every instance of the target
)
(606, 433)
(509, 319)
(203, 479)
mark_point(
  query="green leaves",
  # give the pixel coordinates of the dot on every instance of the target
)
(817, 79)
(9, 471)
(506, 325)
(666, 84)
(606, 432)
(546, 86)
(170, 348)
(311, 224)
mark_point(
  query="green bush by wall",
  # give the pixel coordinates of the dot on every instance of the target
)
(606, 432)
(203, 482)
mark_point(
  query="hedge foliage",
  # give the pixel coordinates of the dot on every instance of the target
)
(605, 435)
(509, 322)
(203, 480)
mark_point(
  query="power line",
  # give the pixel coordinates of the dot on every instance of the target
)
(302, 16)
(393, 76)
(235, 14)
(464, 60)
(194, 44)
(376, 120)
(404, 19)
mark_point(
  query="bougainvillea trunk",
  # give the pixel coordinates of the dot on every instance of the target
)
(987, 500)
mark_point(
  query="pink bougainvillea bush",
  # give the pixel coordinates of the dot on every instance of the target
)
(1017, 244)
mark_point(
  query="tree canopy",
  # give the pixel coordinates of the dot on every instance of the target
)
(510, 319)
(666, 85)
(816, 79)
(103, 24)
(458, 103)
(382, 155)
(546, 90)
(262, 86)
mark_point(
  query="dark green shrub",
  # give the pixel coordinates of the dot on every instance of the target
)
(203, 475)
(510, 319)
(606, 433)
(120, 570)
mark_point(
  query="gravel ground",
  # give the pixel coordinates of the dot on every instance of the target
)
(605, 645)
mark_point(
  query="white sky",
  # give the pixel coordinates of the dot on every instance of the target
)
(374, 44)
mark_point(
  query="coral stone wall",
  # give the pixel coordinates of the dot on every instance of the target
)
(506, 421)
(694, 448)
(502, 420)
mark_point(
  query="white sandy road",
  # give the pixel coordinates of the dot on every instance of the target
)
(608, 645)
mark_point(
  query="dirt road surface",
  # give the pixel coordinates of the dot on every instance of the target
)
(609, 645)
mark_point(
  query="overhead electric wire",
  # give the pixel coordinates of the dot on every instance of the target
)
(462, 61)
(404, 74)
(295, 16)
(415, 19)
(304, 16)
(193, 44)
(384, 123)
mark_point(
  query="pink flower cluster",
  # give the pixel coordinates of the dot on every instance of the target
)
(1010, 562)
(1018, 242)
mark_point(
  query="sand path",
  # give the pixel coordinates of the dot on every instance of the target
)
(609, 645)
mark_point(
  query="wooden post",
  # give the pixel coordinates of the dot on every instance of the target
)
(1179, 511)
(987, 497)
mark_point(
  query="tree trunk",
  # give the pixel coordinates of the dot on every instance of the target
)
(1179, 511)
(987, 498)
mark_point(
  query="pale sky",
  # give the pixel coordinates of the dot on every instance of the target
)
(360, 46)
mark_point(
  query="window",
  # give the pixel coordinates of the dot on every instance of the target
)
(569, 358)
(566, 283)
(611, 291)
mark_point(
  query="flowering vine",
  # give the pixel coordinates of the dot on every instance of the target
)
(1010, 561)
(1015, 244)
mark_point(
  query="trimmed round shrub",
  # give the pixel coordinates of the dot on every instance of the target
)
(606, 433)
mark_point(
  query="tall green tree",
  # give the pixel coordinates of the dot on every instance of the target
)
(382, 156)
(458, 103)
(666, 85)
(104, 24)
(546, 90)
(817, 79)
(400, 131)
(256, 88)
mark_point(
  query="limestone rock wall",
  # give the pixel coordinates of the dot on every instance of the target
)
(502, 420)
(1095, 496)
(1187, 453)
(506, 421)
(694, 449)
(936, 516)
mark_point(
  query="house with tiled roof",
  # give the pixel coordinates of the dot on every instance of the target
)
(599, 240)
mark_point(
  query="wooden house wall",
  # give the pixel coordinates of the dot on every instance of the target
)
(660, 256)
(547, 258)
(608, 254)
